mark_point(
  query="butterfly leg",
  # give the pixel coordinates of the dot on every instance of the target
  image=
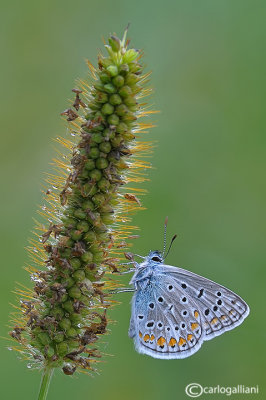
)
(128, 271)
(122, 290)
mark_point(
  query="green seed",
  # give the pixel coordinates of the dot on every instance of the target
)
(101, 97)
(62, 348)
(118, 81)
(112, 70)
(59, 337)
(98, 199)
(114, 43)
(113, 119)
(94, 152)
(107, 109)
(71, 333)
(129, 136)
(122, 127)
(90, 237)
(67, 283)
(124, 68)
(105, 61)
(101, 163)
(103, 184)
(87, 205)
(72, 345)
(135, 67)
(98, 85)
(116, 142)
(105, 147)
(44, 338)
(94, 248)
(89, 164)
(108, 218)
(75, 263)
(105, 78)
(84, 174)
(76, 235)
(96, 138)
(131, 79)
(95, 174)
(83, 226)
(68, 305)
(65, 323)
(125, 91)
(69, 222)
(109, 88)
(97, 259)
(121, 110)
(87, 257)
(79, 275)
(57, 312)
(75, 318)
(115, 99)
(66, 253)
(63, 298)
(130, 101)
(74, 292)
(79, 213)
(49, 351)
(94, 218)
(89, 189)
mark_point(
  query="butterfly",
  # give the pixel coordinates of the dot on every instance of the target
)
(174, 310)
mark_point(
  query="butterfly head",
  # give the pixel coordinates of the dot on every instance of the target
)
(155, 256)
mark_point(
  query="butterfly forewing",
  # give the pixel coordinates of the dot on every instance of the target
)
(220, 308)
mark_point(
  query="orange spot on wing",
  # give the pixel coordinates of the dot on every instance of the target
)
(214, 321)
(181, 341)
(146, 338)
(223, 317)
(172, 342)
(161, 341)
(152, 338)
(140, 334)
(196, 314)
(189, 337)
(194, 326)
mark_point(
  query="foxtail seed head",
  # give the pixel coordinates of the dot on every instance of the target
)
(88, 202)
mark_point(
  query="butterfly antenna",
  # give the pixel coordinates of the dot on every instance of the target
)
(172, 240)
(164, 236)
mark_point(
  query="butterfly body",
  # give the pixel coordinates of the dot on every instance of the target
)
(174, 311)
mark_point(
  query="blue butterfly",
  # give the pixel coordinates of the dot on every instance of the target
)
(174, 310)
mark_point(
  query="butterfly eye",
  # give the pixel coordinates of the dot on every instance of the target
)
(156, 259)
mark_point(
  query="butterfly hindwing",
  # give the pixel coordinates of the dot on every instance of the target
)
(220, 308)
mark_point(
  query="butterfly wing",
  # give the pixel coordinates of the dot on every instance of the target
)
(162, 324)
(220, 308)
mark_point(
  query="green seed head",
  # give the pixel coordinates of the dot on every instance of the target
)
(87, 215)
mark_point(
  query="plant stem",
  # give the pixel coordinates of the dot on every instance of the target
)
(46, 379)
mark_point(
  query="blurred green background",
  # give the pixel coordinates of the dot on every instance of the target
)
(208, 63)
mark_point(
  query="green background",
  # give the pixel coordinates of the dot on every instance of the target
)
(208, 63)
